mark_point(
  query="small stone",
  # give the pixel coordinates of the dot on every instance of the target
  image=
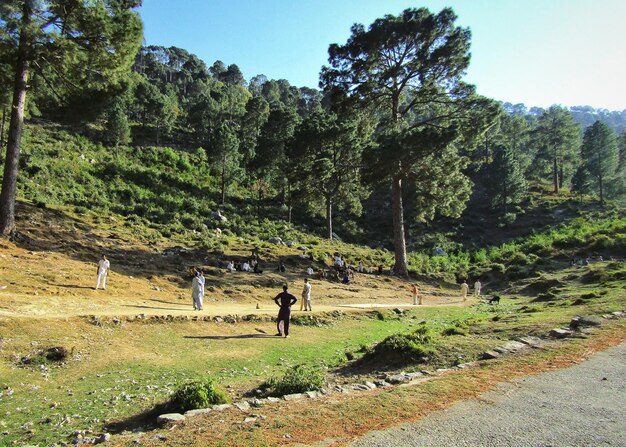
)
(249, 420)
(370, 385)
(513, 345)
(222, 407)
(256, 402)
(398, 378)
(170, 418)
(312, 394)
(381, 383)
(487, 355)
(243, 406)
(294, 396)
(104, 437)
(197, 411)
(560, 333)
(412, 376)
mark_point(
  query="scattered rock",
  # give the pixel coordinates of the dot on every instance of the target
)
(398, 311)
(273, 400)
(243, 406)
(276, 241)
(217, 215)
(370, 385)
(381, 383)
(414, 375)
(170, 418)
(197, 411)
(488, 355)
(249, 420)
(585, 321)
(312, 394)
(256, 402)
(222, 407)
(104, 437)
(533, 342)
(295, 396)
(560, 333)
(398, 378)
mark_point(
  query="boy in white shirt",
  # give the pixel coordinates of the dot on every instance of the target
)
(103, 269)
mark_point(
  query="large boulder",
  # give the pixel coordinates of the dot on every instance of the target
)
(276, 240)
(217, 215)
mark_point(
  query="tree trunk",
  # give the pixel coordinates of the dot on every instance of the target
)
(329, 218)
(561, 176)
(9, 181)
(223, 180)
(399, 244)
(601, 190)
(555, 174)
(4, 119)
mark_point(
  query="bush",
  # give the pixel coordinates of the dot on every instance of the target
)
(454, 330)
(402, 349)
(200, 394)
(296, 380)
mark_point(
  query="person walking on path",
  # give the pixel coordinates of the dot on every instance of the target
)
(103, 269)
(477, 286)
(464, 290)
(417, 298)
(284, 314)
(306, 295)
(197, 291)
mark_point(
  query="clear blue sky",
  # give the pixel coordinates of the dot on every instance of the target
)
(539, 52)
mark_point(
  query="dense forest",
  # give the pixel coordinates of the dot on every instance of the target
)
(392, 144)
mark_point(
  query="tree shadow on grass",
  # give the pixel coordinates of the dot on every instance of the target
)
(146, 420)
(70, 286)
(229, 337)
(151, 307)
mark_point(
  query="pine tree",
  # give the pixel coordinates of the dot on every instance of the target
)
(74, 46)
(600, 156)
(507, 184)
(117, 128)
(581, 181)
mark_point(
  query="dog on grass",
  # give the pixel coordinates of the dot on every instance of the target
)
(494, 300)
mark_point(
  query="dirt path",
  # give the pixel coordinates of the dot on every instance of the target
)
(579, 406)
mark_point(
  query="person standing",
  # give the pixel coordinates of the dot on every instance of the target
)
(416, 294)
(306, 295)
(464, 290)
(477, 286)
(197, 291)
(284, 314)
(103, 269)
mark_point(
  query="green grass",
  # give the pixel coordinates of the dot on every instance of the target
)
(118, 371)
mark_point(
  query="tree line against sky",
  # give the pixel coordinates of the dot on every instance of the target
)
(392, 117)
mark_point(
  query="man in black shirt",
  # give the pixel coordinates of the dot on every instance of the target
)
(284, 314)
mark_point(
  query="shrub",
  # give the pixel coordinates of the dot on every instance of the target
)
(296, 380)
(454, 330)
(402, 349)
(199, 394)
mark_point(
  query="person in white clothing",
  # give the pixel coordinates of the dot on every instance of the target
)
(103, 269)
(306, 295)
(245, 267)
(464, 290)
(477, 286)
(230, 266)
(310, 271)
(197, 291)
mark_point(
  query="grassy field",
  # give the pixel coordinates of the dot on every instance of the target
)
(118, 371)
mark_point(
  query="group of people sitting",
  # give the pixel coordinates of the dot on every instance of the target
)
(251, 265)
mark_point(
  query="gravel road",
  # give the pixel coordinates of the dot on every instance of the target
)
(584, 405)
